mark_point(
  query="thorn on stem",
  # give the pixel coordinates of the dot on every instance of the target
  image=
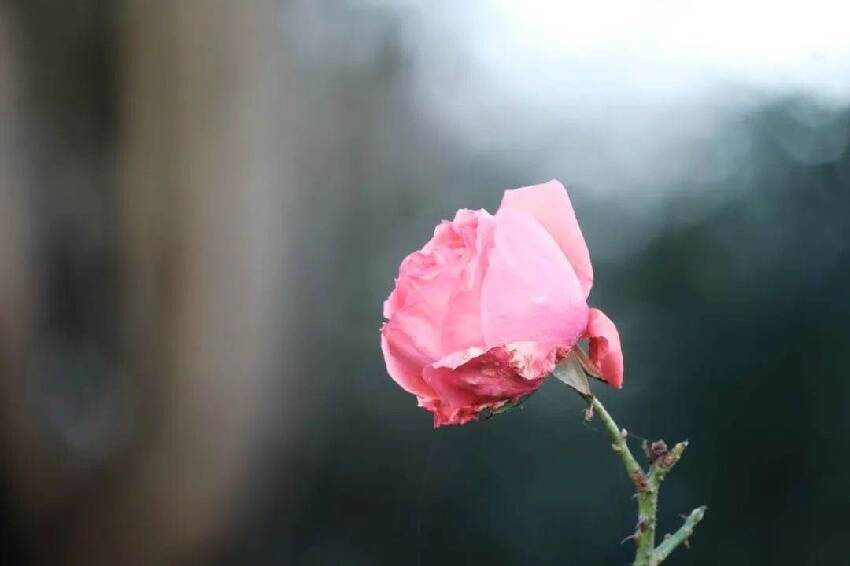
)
(641, 527)
(588, 414)
(616, 448)
(640, 481)
(687, 543)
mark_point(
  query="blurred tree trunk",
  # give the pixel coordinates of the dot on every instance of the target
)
(201, 281)
(25, 463)
(201, 260)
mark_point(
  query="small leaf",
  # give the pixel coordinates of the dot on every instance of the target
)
(570, 371)
(589, 367)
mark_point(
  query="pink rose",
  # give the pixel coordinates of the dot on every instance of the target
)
(483, 312)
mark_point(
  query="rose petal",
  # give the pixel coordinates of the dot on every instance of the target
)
(400, 357)
(605, 352)
(530, 292)
(447, 253)
(461, 327)
(551, 206)
(489, 380)
(532, 360)
(411, 340)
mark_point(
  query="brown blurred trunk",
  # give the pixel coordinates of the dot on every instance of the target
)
(202, 271)
(201, 225)
(23, 458)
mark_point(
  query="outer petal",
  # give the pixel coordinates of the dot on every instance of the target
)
(551, 206)
(402, 364)
(530, 291)
(605, 350)
(411, 338)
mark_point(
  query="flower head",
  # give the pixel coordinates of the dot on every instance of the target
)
(483, 312)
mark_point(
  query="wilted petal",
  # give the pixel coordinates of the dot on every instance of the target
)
(489, 380)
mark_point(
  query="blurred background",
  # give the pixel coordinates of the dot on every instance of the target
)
(203, 205)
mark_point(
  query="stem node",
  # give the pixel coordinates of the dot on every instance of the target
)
(648, 484)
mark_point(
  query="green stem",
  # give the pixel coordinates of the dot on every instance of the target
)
(647, 486)
(681, 536)
(647, 493)
(618, 438)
